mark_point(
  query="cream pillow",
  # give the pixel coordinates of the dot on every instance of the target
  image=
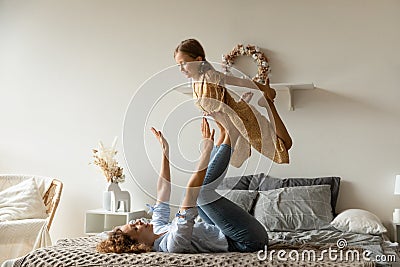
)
(358, 221)
(22, 201)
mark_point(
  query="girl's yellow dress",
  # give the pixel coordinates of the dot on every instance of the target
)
(256, 131)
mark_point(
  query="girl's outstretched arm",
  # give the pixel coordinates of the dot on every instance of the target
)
(251, 84)
(196, 180)
(164, 180)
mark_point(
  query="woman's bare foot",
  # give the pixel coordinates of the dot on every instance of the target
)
(222, 134)
(229, 133)
(232, 135)
(246, 97)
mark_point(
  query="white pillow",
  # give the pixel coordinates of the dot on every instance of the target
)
(358, 221)
(22, 201)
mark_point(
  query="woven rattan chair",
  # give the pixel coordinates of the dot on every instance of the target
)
(18, 237)
(51, 199)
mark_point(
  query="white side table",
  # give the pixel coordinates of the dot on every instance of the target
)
(396, 234)
(99, 220)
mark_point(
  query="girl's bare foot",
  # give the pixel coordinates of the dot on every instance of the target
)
(246, 97)
(269, 94)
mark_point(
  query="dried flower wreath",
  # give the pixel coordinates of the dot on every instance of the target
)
(264, 69)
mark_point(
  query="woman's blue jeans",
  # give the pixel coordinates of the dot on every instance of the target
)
(243, 232)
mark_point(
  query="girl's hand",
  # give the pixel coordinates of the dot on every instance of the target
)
(163, 142)
(208, 136)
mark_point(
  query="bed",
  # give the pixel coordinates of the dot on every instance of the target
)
(298, 213)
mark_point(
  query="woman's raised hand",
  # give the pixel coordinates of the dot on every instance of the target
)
(208, 136)
(163, 142)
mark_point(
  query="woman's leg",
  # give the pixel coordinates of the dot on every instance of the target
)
(218, 165)
(243, 231)
(216, 171)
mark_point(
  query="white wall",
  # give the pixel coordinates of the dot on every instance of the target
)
(69, 68)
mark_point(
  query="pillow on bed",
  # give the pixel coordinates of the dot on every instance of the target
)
(294, 208)
(22, 201)
(242, 198)
(263, 182)
(358, 221)
(334, 182)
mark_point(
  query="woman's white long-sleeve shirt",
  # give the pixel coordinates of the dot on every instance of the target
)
(183, 234)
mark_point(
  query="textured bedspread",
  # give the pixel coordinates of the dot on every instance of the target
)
(331, 248)
(81, 252)
(330, 235)
(374, 247)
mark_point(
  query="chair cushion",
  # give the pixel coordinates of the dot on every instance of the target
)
(22, 201)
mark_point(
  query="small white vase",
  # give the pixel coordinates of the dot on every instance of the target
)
(108, 196)
(115, 199)
(107, 200)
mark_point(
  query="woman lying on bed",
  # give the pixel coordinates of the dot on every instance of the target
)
(224, 226)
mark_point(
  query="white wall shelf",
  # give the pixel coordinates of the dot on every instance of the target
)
(289, 87)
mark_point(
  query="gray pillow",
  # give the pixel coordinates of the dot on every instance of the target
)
(333, 181)
(242, 198)
(294, 208)
(263, 182)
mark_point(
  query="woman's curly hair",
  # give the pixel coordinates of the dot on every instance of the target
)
(119, 242)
